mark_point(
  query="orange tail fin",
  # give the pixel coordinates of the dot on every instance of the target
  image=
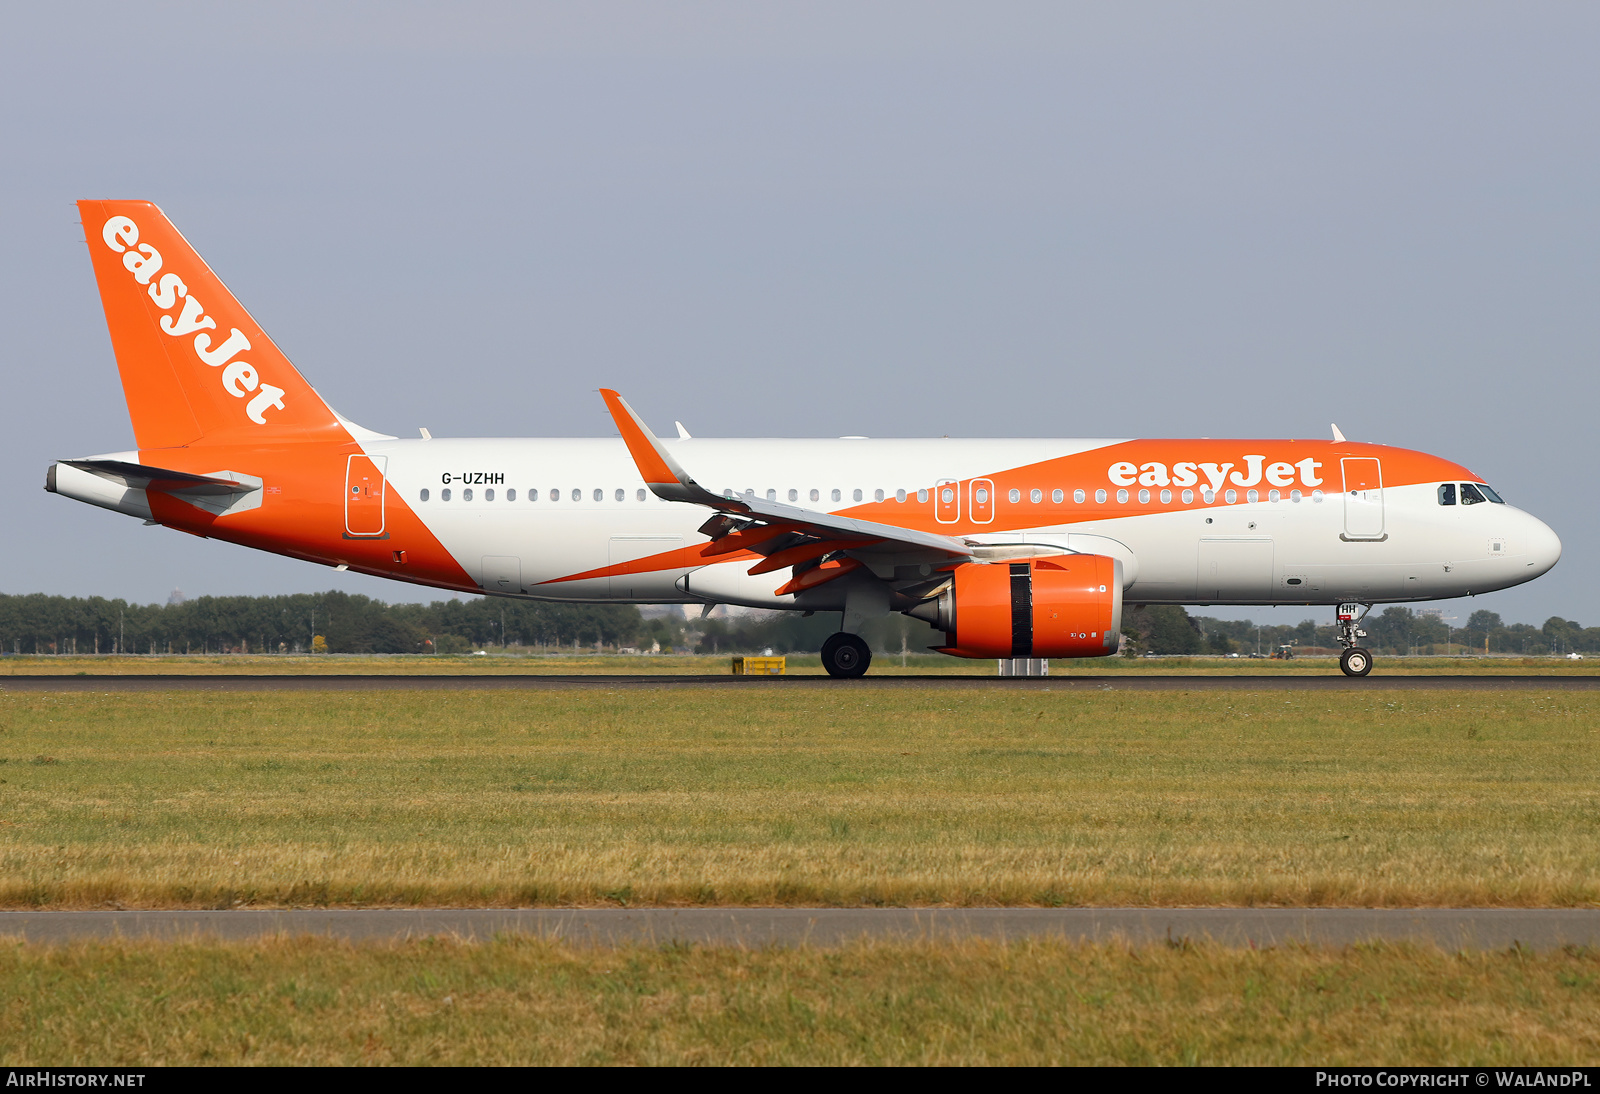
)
(195, 367)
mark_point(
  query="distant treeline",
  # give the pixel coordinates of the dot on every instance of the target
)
(1396, 630)
(289, 624)
(349, 623)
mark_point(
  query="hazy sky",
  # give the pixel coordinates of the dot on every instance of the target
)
(893, 219)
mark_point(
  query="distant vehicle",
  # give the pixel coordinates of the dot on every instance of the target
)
(1012, 548)
(1574, 657)
(1284, 652)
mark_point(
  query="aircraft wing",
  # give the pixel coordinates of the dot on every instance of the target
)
(754, 524)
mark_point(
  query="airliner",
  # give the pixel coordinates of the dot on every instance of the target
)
(1011, 548)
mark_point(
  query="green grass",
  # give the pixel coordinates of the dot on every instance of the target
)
(848, 796)
(521, 662)
(525, 1001)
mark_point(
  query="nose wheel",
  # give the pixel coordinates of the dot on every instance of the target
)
(846, 656)
(1355, 662)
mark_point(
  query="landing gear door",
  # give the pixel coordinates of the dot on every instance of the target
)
(1363, 498)
(363, 495)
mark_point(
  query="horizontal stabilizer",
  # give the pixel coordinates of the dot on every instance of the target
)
(138, 476)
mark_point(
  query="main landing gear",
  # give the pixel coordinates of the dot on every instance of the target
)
(846, 656)
(1355, 660)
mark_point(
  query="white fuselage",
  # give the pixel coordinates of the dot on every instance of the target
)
(580, 505)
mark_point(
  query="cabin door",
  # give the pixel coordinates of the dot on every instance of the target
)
(1363, 498)
(363, 495)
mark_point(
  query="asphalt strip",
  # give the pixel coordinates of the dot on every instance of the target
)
(1450, 928)
(1265, 682)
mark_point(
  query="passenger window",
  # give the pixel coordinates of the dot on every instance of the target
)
(1099, 497)
(794, 495)
(488, 495)
(424, 493)
(1122, 497)
(877, 495)
(1144, 497)
(1252, 497)
(772, 495)
(1447, 494)
(511, 495)
(466, 495)
(1014, 496)
(837, 496)
(855, 495)
(1490, 494)
(1166, 497)
(621, 494)
(1188, 497)
(1057, 497)
(1274, 495)
(922, 496)
(1231, 496)
(444, 495)
(533, 495)
(1470, 495)
(577, 495)
(815, 495)
(1036, 495)
(641, 493)
(1078, 496)
(599, 495)
(900, 495)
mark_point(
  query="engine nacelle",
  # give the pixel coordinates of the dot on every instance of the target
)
(1054, 606)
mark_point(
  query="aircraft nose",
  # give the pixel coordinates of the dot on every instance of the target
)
(1543, 545)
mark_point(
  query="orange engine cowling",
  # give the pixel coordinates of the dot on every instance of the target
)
(1054, 606)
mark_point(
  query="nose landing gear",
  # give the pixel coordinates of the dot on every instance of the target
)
(1354, 661)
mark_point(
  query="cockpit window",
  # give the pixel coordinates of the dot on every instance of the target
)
(1490, 494)
(1447, 494)
(1470, 494)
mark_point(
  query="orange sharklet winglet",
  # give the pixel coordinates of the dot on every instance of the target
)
(642, 446)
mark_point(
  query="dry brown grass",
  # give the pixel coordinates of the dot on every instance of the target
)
(849, 796)
(525, 1001)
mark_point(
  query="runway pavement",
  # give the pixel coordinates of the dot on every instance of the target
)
(1453, 929)
(1332, 681)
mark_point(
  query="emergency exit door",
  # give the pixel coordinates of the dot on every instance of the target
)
(363, 495)
(1363, 498)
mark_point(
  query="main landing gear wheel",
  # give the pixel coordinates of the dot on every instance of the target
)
(1355, 662)
(846, 656)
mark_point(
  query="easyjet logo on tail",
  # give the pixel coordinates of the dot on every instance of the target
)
(239, 378)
